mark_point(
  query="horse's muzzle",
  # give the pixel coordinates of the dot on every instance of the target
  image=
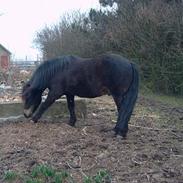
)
(28, 113)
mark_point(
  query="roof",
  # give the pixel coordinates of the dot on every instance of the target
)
(1, 46)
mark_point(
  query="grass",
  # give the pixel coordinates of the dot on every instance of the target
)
(176, 101)
(155, 116)
(101, 177)
(10, 176)
(46, 174)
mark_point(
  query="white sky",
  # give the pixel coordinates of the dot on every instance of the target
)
(21, 19)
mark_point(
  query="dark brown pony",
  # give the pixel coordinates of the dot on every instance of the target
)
(93, 77)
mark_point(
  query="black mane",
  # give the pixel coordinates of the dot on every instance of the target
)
(48, 69)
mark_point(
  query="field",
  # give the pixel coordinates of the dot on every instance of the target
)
(152, 152)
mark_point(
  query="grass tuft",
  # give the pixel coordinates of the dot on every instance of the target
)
(46, 174)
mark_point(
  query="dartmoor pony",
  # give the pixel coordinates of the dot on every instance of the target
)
(83, 77)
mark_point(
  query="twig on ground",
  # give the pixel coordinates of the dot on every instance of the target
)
(136, 162)
(176, 155)
(71, 167)
(149, 128)
(84, 130)
(78, 168)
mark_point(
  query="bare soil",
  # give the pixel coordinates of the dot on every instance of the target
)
(152, 152)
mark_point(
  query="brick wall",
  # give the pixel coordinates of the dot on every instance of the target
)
(4, 59)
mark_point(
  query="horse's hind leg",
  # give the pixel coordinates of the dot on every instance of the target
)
(71, 107)
(121, 127)
(126, 104)
(118, 99)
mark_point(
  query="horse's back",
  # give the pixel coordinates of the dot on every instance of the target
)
(117, 61)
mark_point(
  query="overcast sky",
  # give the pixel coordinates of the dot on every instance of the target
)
(20, 19)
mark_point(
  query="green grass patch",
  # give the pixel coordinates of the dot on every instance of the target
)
(47, 174)
(171, 100)
(101, 177)
(10, 176)
(176, 101)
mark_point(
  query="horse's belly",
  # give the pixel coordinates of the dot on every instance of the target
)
(89, 92)
(85, 92)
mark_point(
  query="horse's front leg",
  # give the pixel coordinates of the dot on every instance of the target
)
(52, 96)
(71, 107)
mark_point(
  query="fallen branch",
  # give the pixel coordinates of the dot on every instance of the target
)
(10, 118)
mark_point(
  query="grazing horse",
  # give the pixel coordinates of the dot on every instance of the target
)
(83, 77)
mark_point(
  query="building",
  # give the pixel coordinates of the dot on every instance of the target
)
(4, 58)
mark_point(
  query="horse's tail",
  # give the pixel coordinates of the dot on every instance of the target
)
(128, 103)
(132, 94)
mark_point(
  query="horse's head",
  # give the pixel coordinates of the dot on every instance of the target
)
(31, 99)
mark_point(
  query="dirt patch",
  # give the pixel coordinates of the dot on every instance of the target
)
(152, 152)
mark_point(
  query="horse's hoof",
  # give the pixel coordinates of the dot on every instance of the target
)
(71, 124)
(119, 136)
(34, 120)
(119, 132)
(123, 134)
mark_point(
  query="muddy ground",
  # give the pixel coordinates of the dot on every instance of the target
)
(152, 152)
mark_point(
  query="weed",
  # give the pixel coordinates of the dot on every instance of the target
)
(10, 176)
(46, 174)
